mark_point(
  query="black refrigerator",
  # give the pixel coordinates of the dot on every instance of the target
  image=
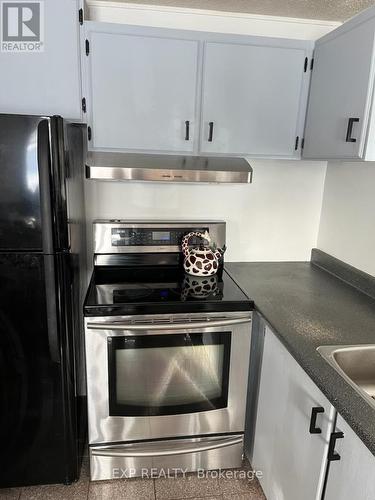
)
(42, 279)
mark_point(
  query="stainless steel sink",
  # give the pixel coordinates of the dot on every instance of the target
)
(356, 364)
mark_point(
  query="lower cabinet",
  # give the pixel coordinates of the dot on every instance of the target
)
(303, 447)
(353, 475)
(293, 427)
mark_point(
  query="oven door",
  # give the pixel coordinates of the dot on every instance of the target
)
(166, 376)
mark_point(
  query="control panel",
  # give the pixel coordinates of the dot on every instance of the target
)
(125, 237)
(118, 236)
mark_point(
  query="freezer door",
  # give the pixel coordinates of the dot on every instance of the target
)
(33, 205)
(37, 418)
(20, 208)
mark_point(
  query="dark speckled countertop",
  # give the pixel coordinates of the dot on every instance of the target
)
(308, 307)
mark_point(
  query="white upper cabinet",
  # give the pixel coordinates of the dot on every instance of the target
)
(142, 91)
(46, 82)
(339, 120)
(254, 97)
(293, 427)
(173, 91)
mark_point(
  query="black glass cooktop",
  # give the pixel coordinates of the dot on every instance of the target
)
(152, 290)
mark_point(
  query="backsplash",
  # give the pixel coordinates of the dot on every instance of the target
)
(274, 219)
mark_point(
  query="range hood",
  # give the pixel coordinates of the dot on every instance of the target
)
(170, 168)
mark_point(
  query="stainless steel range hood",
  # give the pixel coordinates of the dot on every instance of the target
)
(169, 168)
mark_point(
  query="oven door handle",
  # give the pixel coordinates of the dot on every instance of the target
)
(169, 326)
(169, 450)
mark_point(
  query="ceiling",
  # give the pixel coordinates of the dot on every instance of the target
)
(336, 10)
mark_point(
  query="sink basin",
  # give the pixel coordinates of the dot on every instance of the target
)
(356, 364)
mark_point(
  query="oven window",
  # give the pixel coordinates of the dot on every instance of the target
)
(168, 374)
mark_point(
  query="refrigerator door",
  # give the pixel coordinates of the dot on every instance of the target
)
(33, 212)
(20, 208)
(37, 418)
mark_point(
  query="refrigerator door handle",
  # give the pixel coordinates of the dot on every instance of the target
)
(44, 168)
(59, 179)
(53, 322)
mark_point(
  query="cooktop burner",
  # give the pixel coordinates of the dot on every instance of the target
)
(152, 290)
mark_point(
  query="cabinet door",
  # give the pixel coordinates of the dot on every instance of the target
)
(292, 459)
(353, 476)
(253, 99)
(340, 95)
(143, 91)
(46, 82)
(272, 408)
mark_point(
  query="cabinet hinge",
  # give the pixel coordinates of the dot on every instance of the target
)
(89, 133)
(305, 64)
(87, 46)
(296, 143)
(311, 64)
(84, 104)
(80, 16)
(303, 143)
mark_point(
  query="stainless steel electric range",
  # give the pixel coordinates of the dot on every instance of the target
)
(167, 354)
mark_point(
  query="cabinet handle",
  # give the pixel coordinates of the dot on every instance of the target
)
(210, 131)
(332, 455)
(187, 130)
(314, 413)
(349, 130)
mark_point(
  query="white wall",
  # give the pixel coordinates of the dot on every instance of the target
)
(347, 227)
(275, 218)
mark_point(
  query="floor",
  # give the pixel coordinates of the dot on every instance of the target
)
(189, 487)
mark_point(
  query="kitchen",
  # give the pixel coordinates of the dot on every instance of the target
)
(261, 118)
